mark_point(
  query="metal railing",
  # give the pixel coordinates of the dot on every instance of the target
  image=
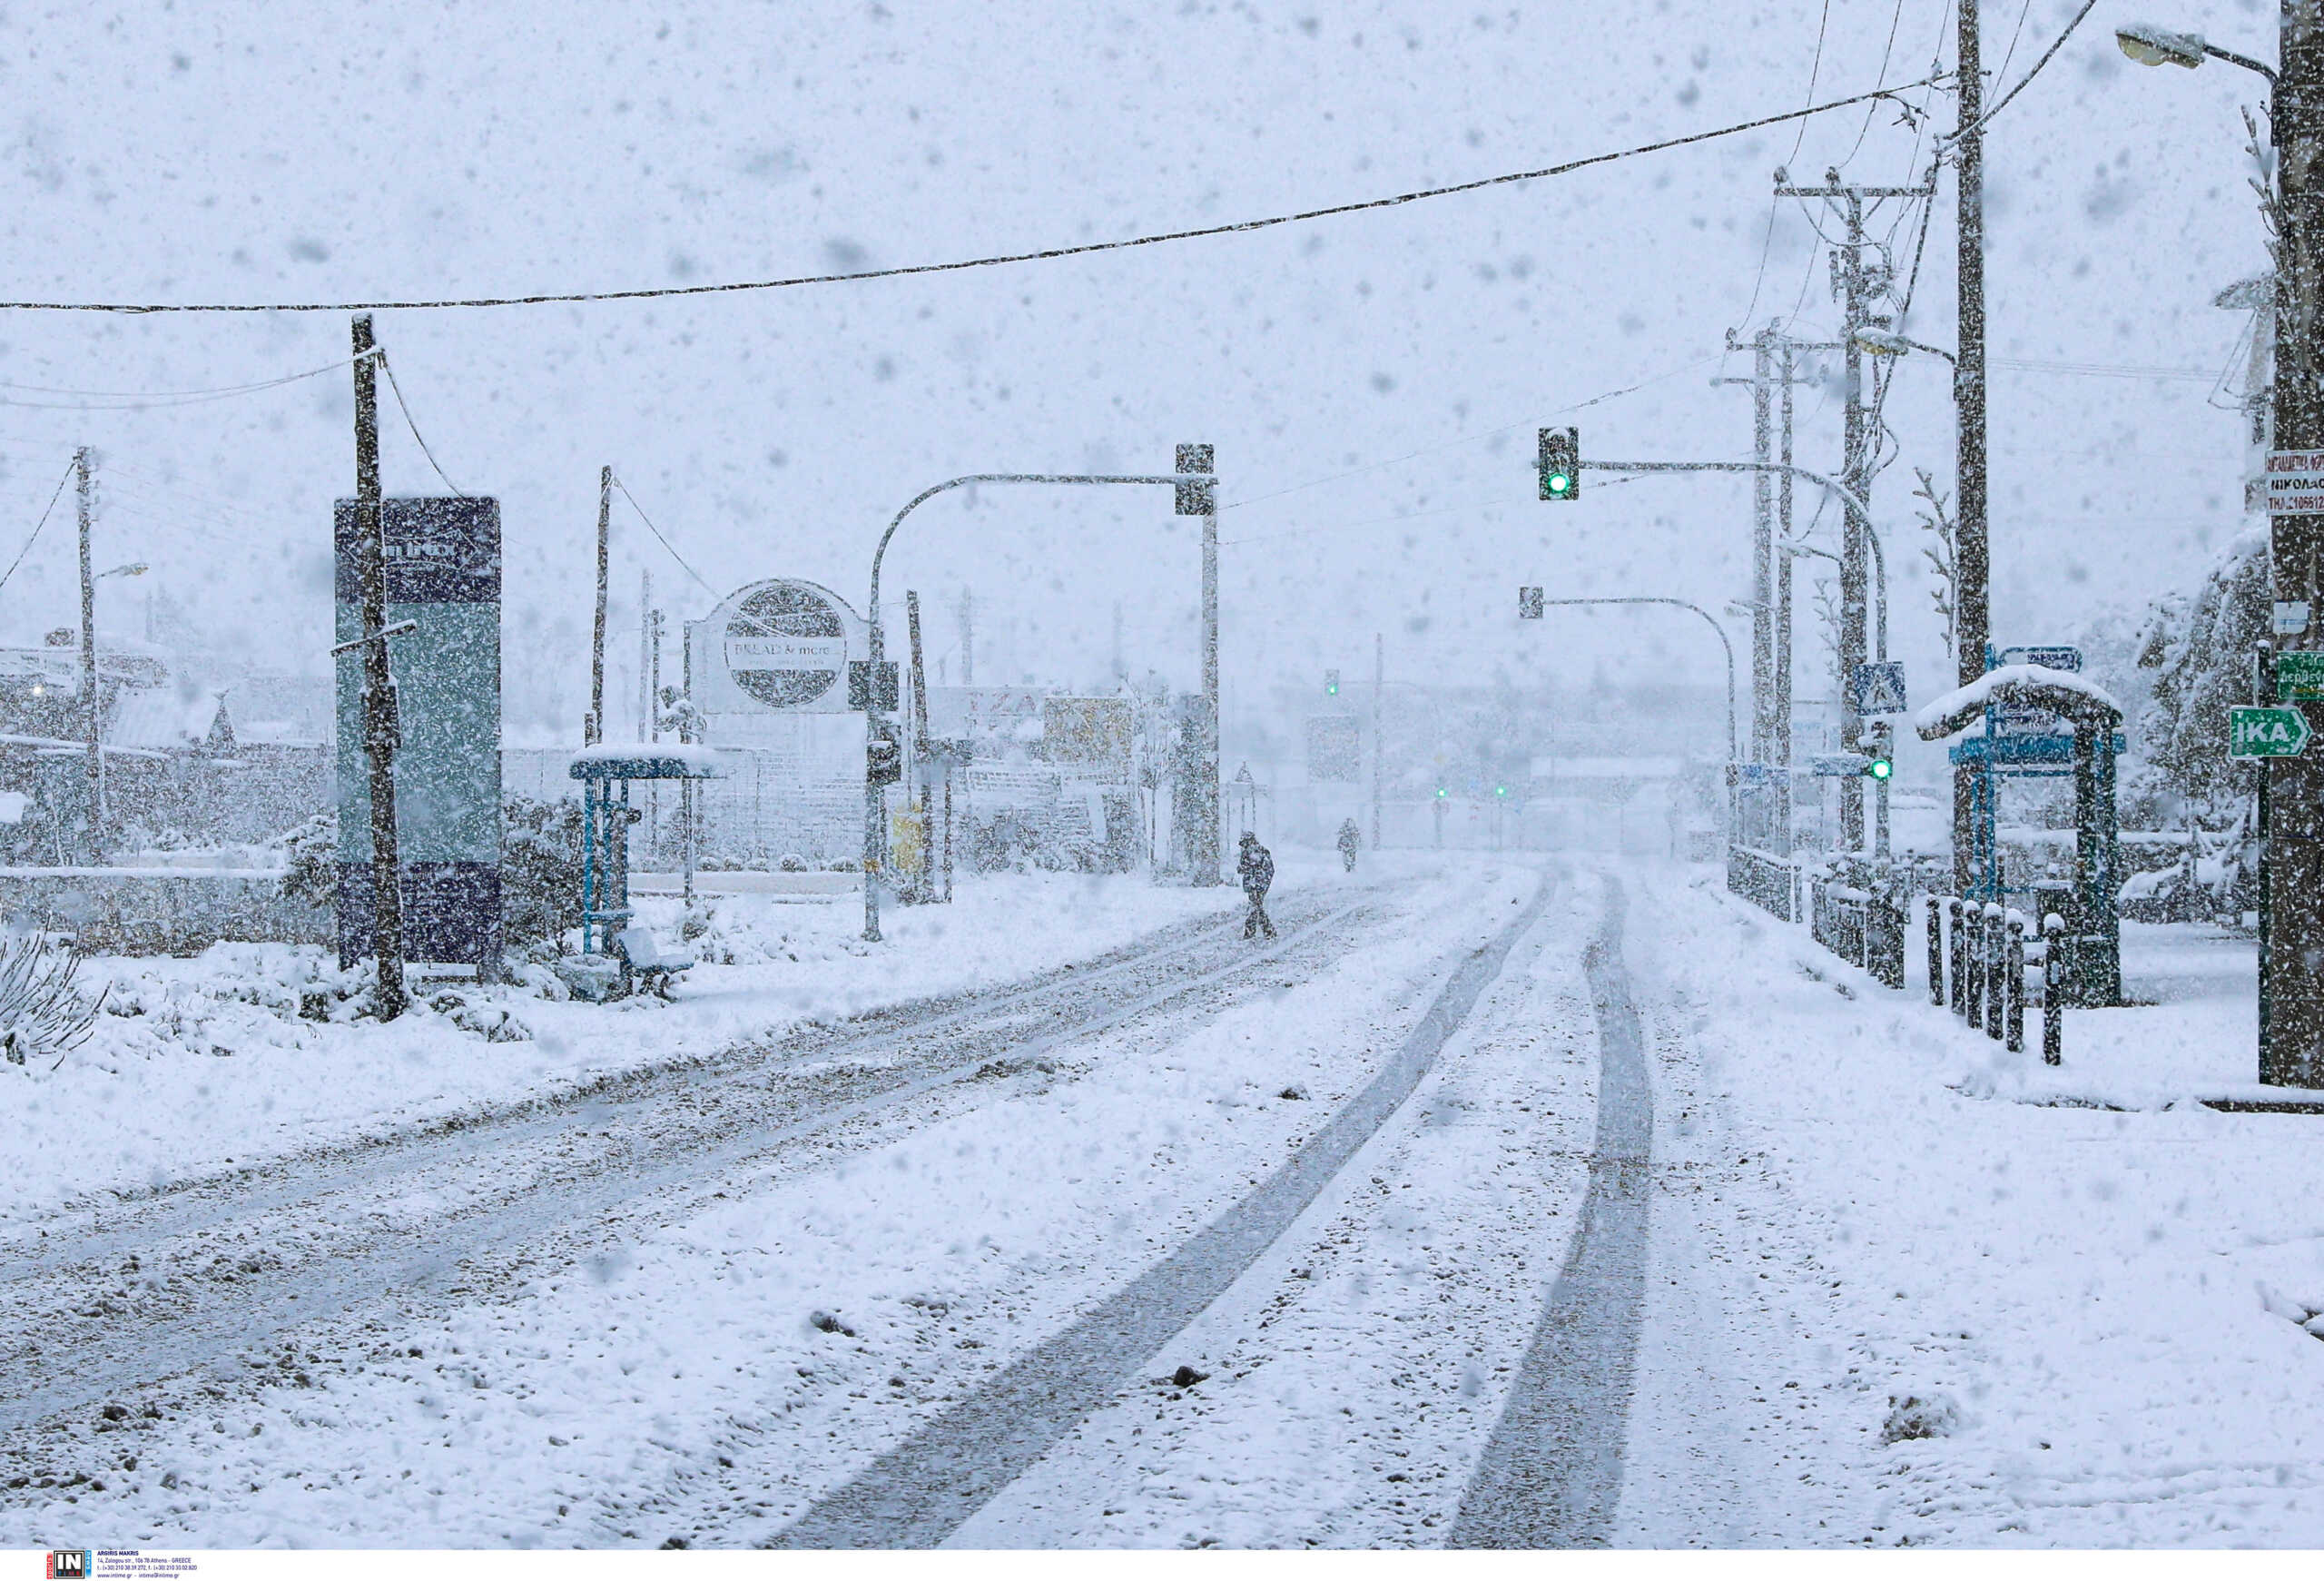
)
(1865, 927)
(1767, 881)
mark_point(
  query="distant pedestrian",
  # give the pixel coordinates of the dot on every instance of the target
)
(1256, 869)
(1351, 842)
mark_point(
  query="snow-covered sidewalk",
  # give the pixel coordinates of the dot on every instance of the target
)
(2022, 1323)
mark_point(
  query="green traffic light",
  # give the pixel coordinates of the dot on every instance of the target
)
(1500, 790)
(1880, 768)
(1440, 793)
(1558, 482)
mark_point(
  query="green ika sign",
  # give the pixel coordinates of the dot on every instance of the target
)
(2299, 677)
(2265, 732)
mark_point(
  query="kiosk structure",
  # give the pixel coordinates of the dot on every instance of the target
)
(2090, 971)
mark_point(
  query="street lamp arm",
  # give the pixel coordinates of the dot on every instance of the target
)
(925, 495)
(1724, 643)
(1834, 485)
(2245, 61)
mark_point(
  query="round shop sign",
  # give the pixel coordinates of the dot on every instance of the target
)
(785, 644)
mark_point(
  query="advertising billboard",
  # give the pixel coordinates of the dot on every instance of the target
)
(779, 646)
(443, 570)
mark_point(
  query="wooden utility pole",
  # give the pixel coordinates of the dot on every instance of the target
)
(1971, 560)
(593, 729)
(380, 726)
(89, 692)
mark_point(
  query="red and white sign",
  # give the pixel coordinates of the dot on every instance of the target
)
(2295, 482)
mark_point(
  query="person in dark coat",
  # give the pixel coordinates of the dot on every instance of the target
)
(1256, 869)
(1351, 842)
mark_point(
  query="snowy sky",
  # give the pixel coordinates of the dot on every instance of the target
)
(1371, 383)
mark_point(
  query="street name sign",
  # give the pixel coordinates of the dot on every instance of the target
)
(2299, 677)
(2262, 732)
(1878, 688)
(2295, 482)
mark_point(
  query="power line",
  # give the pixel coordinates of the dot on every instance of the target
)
(665, 542)
(1815, 68)
(2034, 70)
(34, 535)
(403, 406)
(136, 401)
(1043, 255)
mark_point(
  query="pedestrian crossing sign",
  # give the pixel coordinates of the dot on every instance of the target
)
(1878, 688)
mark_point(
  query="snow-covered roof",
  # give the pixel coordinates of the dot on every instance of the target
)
(159, 719)
(640, 760)
(2031, 685)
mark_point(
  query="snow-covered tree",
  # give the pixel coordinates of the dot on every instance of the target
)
(2199, 648)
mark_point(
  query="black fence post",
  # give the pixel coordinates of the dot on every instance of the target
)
(1973, 920)
(1960, 954)
(1996, 973)
(2053, 1010)
(1936, 951)
(2016, 979)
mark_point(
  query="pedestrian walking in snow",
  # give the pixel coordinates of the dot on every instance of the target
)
(1257, 871)
(1351, 842)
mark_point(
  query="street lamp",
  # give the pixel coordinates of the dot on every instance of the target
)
(2159, 46)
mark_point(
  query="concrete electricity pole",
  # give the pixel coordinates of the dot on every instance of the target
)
(1201, 500)
(1774, 367)
(1379, 684)
(380, 732)
(1971, 627)
(89, 663)
(1859, 286)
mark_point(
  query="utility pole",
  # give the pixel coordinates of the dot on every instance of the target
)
(1202, 840)
(644, 652)
(1379, 746)
(2292, 974)
(380, 731)
(1970, 556)
(593, 729)
(89, 664)
(1857, 287)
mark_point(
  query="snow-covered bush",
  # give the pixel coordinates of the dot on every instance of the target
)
(42, 1011)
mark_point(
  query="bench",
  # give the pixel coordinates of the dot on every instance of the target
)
(651, 966)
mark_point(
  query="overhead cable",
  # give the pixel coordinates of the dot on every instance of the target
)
(1042, 255)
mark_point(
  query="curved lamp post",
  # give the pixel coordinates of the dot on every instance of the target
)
(875, 716)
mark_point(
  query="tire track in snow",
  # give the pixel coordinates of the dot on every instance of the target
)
(544, 1206)
(917, 1494)
(1552, 1471)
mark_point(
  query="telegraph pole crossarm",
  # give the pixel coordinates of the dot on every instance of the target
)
(876, 642)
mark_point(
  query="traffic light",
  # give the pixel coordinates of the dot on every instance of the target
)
(1331, 683)
(1529, 603)
(1559, 461)
(1441, 793)
(1500, 790)
(883, 754)
(1880, 767)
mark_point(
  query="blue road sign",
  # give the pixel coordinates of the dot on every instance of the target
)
(1878, 688)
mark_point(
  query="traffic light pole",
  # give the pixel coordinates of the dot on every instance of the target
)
(1725, 645)
(1195, 488)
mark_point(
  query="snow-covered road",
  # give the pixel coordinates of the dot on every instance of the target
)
(1583, 1206)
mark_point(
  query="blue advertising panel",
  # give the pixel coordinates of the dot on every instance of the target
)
(443, 568)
